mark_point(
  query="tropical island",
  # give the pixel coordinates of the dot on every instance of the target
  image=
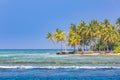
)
(91, 37)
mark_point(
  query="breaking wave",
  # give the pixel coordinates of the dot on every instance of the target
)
(57, 67)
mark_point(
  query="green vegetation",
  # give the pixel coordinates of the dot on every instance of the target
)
(117, 49)
(94, 35)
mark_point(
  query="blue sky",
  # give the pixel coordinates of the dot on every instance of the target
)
(24, 23)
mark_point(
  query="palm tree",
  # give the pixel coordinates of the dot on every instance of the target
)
(50, 36)
(99, 34)
(110, 36)
(106, 32)
(81, 30)
(73, 39)
(73, 28)
(59, 36)
(91, 31)
(118, 23)
(106, 23)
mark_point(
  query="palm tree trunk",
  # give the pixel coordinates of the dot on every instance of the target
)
(99, 45)
(74, 48)
(55, 44)
(90, 46)
(107, 45)
(83, 46)
(110, 46)
(83, 43)
(61, 46)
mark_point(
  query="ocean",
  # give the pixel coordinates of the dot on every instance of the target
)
(44, 64)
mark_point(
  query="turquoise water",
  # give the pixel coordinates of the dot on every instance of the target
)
(44, 64)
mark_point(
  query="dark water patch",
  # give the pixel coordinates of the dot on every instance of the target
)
(60, 74)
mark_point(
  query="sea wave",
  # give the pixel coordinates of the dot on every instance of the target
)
(58, 67)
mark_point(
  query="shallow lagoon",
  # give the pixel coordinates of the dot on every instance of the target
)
(45, 64)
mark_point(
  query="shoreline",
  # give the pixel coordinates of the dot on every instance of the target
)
(88, 53)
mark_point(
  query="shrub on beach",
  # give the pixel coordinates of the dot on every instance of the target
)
(117, 49)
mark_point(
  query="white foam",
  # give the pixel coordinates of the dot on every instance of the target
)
(25, 67)
(57, 67)
(78, 67)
